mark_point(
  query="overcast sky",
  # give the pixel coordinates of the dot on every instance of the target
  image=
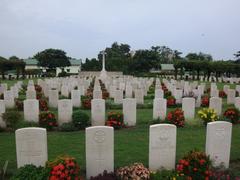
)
(84, 27)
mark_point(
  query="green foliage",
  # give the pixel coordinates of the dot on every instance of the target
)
(67, 127)
(92, 65)
(163, 174)
(117, 57)
(105, 176)
(80, 120)
(30, 172)
(23, 124)
(63, 74)
(12, 117)
(52, 58)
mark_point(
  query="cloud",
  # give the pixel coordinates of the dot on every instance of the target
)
(82, 28)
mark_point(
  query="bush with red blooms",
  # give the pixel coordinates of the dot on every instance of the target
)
(164, 88)
(19, 104)
(194, 165)
(43, 105)
(222, 94)
(86, 103)
(39, 95)
(167, 93)
(64, 168)
(38, 88)
(115, 120)
(232, 115)
(208, 90)
(171, 101)
(47, 120)
(176, 117)
(105, 94)
(205, 101)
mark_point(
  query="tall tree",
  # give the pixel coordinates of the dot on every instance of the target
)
(200, 56)
(237, 56)
(117, 57)
(14, 58)
(91, 65)
(52, 58)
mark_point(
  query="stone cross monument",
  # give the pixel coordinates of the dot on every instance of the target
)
(103, 74)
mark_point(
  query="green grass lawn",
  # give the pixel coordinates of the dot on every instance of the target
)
(130, 145)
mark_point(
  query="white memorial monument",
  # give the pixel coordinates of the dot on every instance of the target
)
(103, 74)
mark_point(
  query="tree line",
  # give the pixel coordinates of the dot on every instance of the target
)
(13, 63)
(119, 57)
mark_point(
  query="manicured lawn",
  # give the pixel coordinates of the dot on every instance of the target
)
(131, 144)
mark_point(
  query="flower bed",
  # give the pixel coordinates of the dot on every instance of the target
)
(176, 117)
(43, 105)
(38, 88)
(19, 104)
(115, 120)
(171, 101)
(63, 167)
(208, 115)
(47, 120)
(137, 171)
(194, 165)
(222, 94)
(205, 101)
(86, 103)
(232, 115)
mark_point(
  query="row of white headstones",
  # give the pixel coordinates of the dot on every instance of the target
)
(98, 108)
(31, 146)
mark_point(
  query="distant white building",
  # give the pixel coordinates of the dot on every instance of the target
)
(75, 67)
(164, 68)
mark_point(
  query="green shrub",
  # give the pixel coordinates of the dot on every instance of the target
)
(163, 174)
(67, 127)
(80, 120)
(30, 172)
(12, 117)
(63, 74)
(23, 124)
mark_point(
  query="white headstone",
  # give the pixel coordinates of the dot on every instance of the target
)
(118, 98)
(129, 91)
(76, 98)
(216, 104)
(31, 146)
(64, 111)
(9, 99)
(162, 146)
(53, 98)
(159, 93)
(64, 91)
(99, 150)
(97, 94)
(31, 110)
(188, 107)
(31, 94)
(226, 88)
(237, 103)
(98, 112)
(129, 111)
(214, 93)
(139, 96)
(2, 110)
(218, 142)
(159, 108)
(231, 94)
(178, 93)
